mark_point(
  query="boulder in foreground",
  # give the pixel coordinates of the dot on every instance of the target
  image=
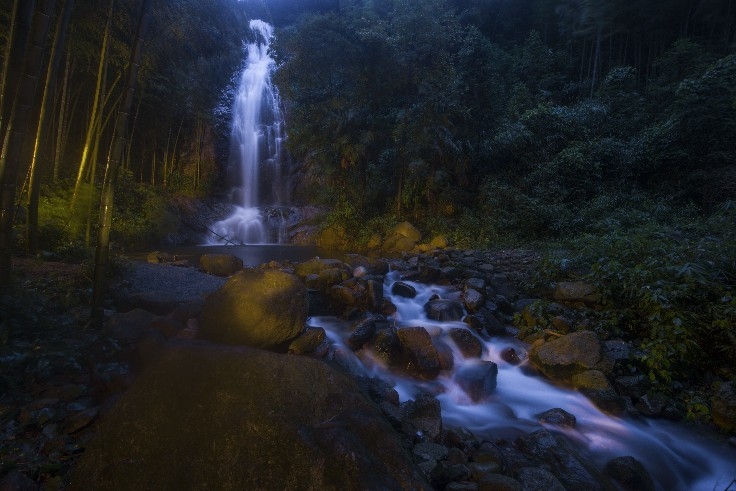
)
(208, 416)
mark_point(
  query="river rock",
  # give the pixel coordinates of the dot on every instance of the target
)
(362, 332)
(469, 345)
(220, 264)
(403, 289)
(258, 308)
(498, 482)
(557, 417)
(425, 414)
(630, 474)
(478, 380)
(473, 299)
(567, 355)
(419, 355)
(244, 419)
(373, 266)
(596, 387)
(723, 407)
(308, 341)
(444, 310)
(316, 265)
(562, 460)
(537, 479)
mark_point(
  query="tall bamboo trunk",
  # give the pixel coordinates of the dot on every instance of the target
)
(22, 107)
(102, 250)
(34, 184)
(95, 107)
(61, 131)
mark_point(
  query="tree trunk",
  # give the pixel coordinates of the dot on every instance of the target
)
(34, 184)
(113, 163)
(61, 131)
(95, 105)
(11, 162)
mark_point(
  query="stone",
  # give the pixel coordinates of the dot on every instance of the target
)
(222, 265)
(398, 243)
(386, 346)
(406, 229)
(475, 283)
(362, 332)
(478, 380)
(474, 322)
(402, 289)
(557, 417)
(242, 416)
(576, 291)
(316, 265)
(652, 404)
(537, 479)
(567, 355)
(373, 266)
(562, 460)
(498, 482)
(333, 237)
(632, 385)
(308, 341)
(444, 310)
(157, 257)
(469, 345)
(596, 387)
(419, 355)
(374, 242)
(425, 414)
(430, 451)
(446, 472)
(473, 299)
(510, 356)
(438, 242)
(723, 407)
(561, 324)
(129, 327)
(629, 474)
(480, 469)
(258, 308)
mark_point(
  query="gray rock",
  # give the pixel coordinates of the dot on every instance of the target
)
(425, 414)
(430, 451)
(537, 479)
(473, 300)
(498, 482)
(478, 380)
(630, 474)
(567, 355)
(444, 310)
(467, 343)
(557, 417)
(420, 357)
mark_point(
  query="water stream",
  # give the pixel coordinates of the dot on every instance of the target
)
(256, 150)
(677, 457)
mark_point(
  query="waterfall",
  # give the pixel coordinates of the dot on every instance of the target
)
(256, 148)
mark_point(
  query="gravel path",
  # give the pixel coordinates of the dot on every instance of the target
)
(174, 282)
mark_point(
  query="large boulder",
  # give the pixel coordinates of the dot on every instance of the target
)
(566, 356)
(209, 416)
(258, 308)
(419, 355)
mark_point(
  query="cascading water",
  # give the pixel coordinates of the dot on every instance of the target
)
(677, 458)
(256, 148)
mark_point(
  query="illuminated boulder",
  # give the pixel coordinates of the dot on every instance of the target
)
(258, 308)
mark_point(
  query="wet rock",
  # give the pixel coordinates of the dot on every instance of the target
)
(374, 294)
(562, 460)
(461, 438)
(475, 284)
(362, 332)
(480, 469)
(308, 341)
(469, 345)
(220, 264)
(557, 417)
(567, 355)
(430, 451)
(345, 296)
(403, 289)
(576, 291)
(429, 274)
(424, 414)
(444, 310)
(478, 380)
(491, 324)
(419, 354)
(373, 266)
(510, 356)
(247, 413)
(445, 473)
(473, 299)
(474, 322)
(498, 482)
(595, 386)
(617, 349)
(723, 407)
(386, 346)
(537, 479)
(325, 279)
(450, 273)
(258, 308)
(444, 354)
(652, 404)
(562, 324)
(456, 456)
(632, 385)
(630, 474)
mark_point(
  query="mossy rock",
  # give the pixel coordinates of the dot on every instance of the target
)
(220, 264)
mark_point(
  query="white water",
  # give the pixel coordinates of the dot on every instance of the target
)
(677, 457)
(256, 144)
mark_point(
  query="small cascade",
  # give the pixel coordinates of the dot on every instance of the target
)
(256, 149)
(676, 457)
